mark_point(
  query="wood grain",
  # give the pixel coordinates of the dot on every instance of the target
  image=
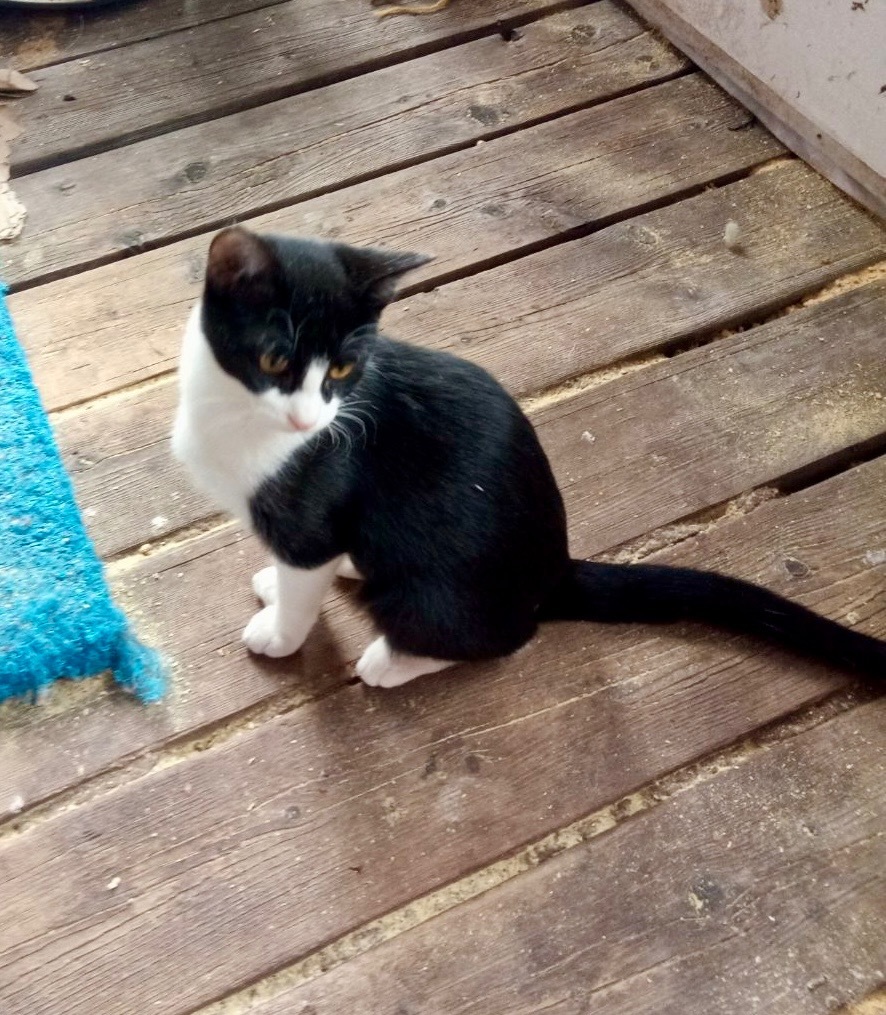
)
(759, 890)
(238, 860)
(33, 40)
(650, 463)
(266, 808)
(149, 87)
(761, 405)
(122, 323)
(651, 282)
(122, 201)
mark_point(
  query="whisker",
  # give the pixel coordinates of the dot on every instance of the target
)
(369, 417)
(357, 420)
(349, 447)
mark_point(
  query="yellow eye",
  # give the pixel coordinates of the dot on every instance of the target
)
(340, 372)
(271, 364)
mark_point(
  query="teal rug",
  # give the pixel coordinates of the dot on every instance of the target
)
(57, 619)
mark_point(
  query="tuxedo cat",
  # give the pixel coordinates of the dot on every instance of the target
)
(348, 453)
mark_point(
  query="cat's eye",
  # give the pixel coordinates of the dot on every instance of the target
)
(340, 371)
(271, 364)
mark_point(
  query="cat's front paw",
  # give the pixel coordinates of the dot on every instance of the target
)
(264, 585)
(264, 636)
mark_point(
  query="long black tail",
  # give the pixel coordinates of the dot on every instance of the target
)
(650, 594)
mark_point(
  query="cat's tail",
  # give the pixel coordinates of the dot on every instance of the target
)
(651, 594)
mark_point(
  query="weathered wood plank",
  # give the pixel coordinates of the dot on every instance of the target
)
(259, 850)
(649, 464)
(122, 323)
(149, 87)
(732, 397)
(649, 282)
(178, 183)
(760, 890)
(33, 40)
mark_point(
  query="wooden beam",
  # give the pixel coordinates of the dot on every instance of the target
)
(810, 135)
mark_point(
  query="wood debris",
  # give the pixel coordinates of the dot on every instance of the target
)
(430, 8)
(13, 82)
(732, 236)
(12, 211)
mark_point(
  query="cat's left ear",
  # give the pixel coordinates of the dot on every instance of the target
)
(243, 267)
(375, 273)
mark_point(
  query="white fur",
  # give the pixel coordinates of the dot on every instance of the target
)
(231, 439)
(265, 586)
(281, 627)
(347, 569)
(379, 666)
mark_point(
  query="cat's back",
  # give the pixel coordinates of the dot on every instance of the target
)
(438, 414)
(454, 458)
(420, 385)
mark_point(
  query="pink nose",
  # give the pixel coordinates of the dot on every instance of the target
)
(297, 423)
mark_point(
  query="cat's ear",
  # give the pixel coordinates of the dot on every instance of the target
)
(242, 266)
(375, 274)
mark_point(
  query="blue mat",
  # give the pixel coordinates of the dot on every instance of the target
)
(56, 614)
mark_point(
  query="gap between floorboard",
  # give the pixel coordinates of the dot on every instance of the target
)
(142, 762)
(581, 382)
(260, 98)
(149, 36)
(428, 907)
(543, 396)
(269, 207)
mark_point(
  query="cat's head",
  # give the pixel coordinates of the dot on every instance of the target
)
(294, 320)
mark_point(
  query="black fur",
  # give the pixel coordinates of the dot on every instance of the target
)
(652, 594)
(439, 489)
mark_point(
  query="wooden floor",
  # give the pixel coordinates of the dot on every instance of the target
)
(613, 821)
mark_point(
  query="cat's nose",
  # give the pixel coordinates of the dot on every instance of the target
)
(299, 422)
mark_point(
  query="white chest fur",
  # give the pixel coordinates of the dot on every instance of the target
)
(228, 439)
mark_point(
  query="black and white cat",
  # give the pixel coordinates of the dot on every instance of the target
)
(350, 454)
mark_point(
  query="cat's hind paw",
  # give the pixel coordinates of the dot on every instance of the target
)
(264, 585)
(264, 637)
(346, 569)
(375, 663)
(379, 666)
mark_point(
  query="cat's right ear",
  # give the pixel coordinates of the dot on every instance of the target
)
(242, 267)
(375, 274)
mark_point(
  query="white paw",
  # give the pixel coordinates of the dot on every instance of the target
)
(375, 663)
(264, 637)
(346, 569)
(264, 585)
(380, 667)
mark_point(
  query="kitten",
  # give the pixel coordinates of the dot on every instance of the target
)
(348, 453)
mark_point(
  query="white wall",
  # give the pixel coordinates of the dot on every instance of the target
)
(826, 59)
